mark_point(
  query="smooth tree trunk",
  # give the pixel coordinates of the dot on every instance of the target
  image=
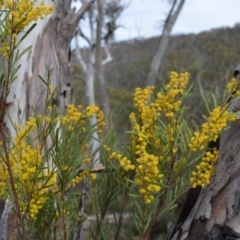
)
(163, 42)
(50, 41)
(215, 214)
(104, 101)
(92, 67)
(89, 75)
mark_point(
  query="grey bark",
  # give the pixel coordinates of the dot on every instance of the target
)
(164, 39)
(51, 53)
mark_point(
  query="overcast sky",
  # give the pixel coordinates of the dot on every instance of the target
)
(144, 18)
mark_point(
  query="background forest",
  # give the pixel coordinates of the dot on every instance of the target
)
(210, 58)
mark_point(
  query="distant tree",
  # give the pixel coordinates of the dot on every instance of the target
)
(163, 41)
(102, 22)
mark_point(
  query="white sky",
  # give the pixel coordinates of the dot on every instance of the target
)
(144, 18)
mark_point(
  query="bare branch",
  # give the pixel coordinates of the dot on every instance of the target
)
(96, 170)
(77, 16)
(159, 53)
(108, 55)
(111, 28)
(84, 36)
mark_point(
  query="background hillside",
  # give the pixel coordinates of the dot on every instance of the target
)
(210, 57)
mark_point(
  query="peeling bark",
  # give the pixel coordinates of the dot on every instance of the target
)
(51, 52)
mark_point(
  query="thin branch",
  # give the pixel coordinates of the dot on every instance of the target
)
(163, 41)
(108, 55)
(95, 170)
(84, 36)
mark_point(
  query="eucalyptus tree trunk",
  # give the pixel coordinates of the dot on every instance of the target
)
(164, 39)
(89, 74)
(50, 41)
(92, 65)
(104, 101)
(215, 213)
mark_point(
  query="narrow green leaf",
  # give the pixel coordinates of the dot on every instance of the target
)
(26, 34)
(21, 54)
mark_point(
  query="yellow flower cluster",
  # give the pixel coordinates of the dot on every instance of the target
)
(169, 102)
(144, 130)
(31, 175)
(141, 99)
(146, 169)
(148, 176)
(216, 122)
(124, 162)
(143, 127)
(147, 165)
(4, 176)
(233, 87)
(26, 164)
(205, 169)
(74, 116)
(79, 178)
(37, 201)
(23, 12)
(91, 111)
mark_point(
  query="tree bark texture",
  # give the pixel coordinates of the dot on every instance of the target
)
(51, 53)
(167, 29)
(215, 214)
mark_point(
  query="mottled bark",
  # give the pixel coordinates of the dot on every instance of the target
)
(51, 52)
(167, 29)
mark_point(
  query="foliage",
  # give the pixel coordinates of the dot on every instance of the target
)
(46, 167)
(148, 175)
